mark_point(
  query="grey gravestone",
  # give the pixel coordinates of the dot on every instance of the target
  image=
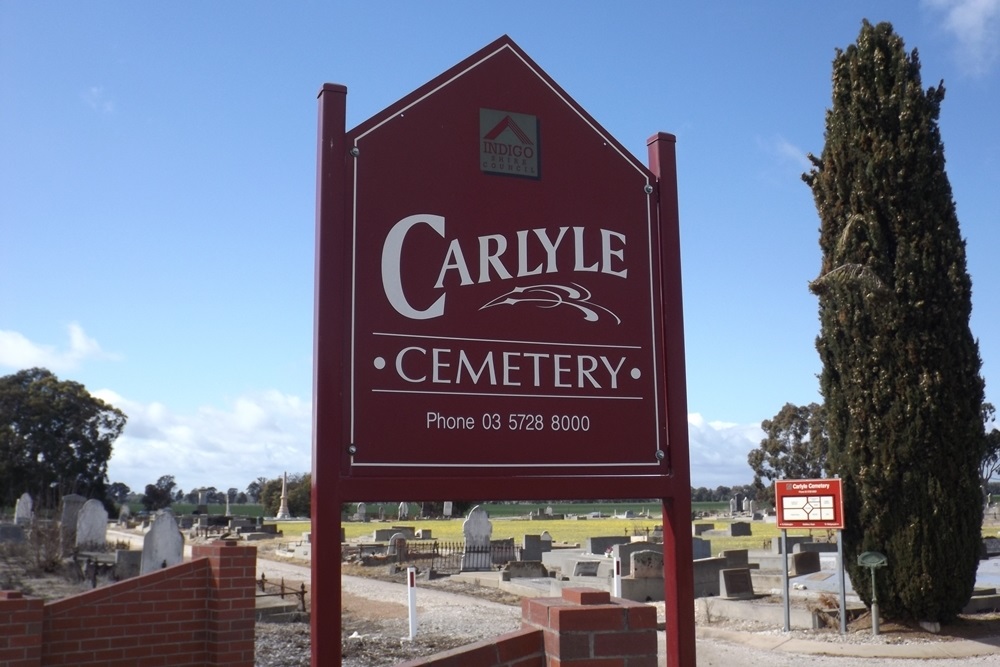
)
(362, 512)
(735, 583)
(700, 548)
(11, 532)
(477, 529)
(585, 568)
(23, 510)
(127, 563)
(397, 547)
(92, 525)
(163, 545)
(736, 557)
(124, 515)
(746, 504)
(531, 548)
(601, 544)
(790, 540)
(753, 508)
(739, 529)
(699, 528)
(448, 508)
(647, 564)
(732, 505)
(71, 505)
(804, 563)
(546, 541)
(624, 553)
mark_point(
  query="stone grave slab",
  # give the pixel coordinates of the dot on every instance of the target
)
(735, 583)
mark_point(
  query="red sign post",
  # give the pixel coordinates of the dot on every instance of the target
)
(498, 313)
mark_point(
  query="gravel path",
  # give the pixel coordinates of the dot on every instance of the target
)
(447, 619)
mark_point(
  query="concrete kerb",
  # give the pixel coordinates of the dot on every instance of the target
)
(963, 648)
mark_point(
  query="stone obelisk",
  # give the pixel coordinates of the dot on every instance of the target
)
(283, 510)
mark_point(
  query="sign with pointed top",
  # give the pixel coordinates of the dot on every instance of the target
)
(504, 310)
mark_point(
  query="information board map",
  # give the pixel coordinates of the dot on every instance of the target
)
(809, 503)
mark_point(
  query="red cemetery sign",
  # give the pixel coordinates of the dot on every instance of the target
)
(505, 285)
(498, 314)
(809, 503)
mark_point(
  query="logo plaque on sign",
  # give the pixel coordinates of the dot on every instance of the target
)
(508, 143)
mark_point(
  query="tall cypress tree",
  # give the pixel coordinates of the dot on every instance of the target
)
(900, 366)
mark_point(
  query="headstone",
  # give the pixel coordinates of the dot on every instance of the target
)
(423, 534)
(203, 498)
(753, 508)
(283, 512)
(546, 541)
(23, 510)
(448, 507)
(548, 511)
(732, 505)
(526, 569)
(404, 510)
(477, 529)
(163, 545)
(585, 568)
(531, 548)
(381, 513)
(790, 540)
(362, 512)
(228, 513)
(71, 505)
(600, 545)
(397, 547)
(11, 532)
(736, 557)
(92, 525)
(806, 562)
(647, 564)
(739, 529)
(700, 548)
(124, 514)
(699, 528)
(624, 553)
(127, 563)
(746, 504)
(736, 583)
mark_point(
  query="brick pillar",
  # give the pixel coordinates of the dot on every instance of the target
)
(20, 630)
(585, 627)
(230, 636)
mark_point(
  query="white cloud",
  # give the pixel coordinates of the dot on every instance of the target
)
(976, 26)
(97, 99)
(17, 351)
(785, 152)
(259, 435)
(719, 451)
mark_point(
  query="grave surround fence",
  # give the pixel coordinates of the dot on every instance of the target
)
(442, 557)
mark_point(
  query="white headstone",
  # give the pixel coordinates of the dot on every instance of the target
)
(362, 512)
(477, 529)
(732, 505)
(448, 507)
(124, 514)
(92, 525)
(163, 545)
(548, 511)
(404, 510)
(23, 509)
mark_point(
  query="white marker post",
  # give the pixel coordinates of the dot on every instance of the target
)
(411, 596)
(616, 590)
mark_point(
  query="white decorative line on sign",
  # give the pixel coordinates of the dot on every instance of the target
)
(551, 296)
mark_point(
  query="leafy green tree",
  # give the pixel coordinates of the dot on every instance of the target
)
(794, 447)
(159, 495)
(54, 436)
(990, 465)
(900, 373)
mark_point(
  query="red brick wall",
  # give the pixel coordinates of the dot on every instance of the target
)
(197, 613)
(522, 648)
(583, 628)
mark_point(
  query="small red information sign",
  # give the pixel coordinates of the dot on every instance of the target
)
(809, 503)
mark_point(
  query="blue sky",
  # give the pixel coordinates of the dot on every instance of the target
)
(157, 192)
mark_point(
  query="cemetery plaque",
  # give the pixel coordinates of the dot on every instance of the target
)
(809, 503)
